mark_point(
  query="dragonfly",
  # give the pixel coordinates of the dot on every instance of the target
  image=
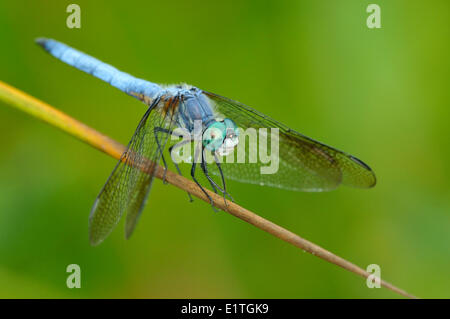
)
(304, 164)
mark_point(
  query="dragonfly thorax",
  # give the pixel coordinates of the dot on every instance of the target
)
(196, 111)
(193, 108)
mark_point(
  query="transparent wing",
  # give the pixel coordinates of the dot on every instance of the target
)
(304, 164)
(127, 188)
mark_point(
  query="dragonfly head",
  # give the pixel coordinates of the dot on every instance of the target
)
(221, 136)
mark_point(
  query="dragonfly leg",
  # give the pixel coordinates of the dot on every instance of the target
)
(171, 149)
(223, 179)
(196, 181)
(168, 132)
(205, 171)
(157, 130)
(213, 183)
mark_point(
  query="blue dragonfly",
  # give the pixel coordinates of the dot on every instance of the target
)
(304, 164)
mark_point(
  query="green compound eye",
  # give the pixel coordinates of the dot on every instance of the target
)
(231, 127)
(214, 135)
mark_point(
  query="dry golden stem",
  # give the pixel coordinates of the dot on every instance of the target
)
(109, 146)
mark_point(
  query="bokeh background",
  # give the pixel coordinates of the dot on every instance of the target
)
(382, 95)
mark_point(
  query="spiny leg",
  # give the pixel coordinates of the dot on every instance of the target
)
(205, 171)
(212, 182)
(166, 131)
(216, 159)
(194, 163)
(157, 130)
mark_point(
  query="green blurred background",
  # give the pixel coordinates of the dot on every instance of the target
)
(382, 95)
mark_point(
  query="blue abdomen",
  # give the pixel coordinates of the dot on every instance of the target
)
(138, 88)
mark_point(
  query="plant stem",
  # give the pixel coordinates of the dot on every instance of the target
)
(48, 114)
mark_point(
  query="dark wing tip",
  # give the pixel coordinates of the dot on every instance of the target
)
(369, 171)
(358, 161)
